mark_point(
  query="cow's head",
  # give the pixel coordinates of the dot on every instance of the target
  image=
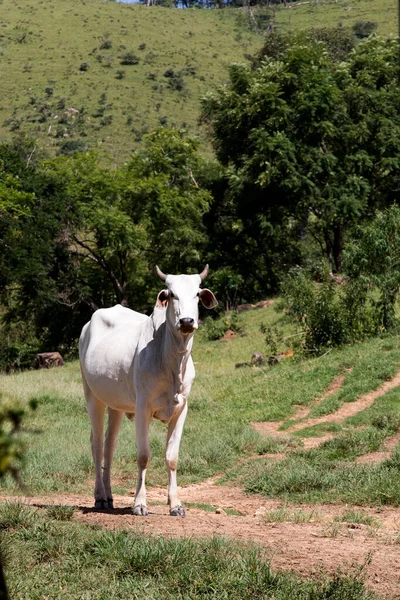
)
(181, 299)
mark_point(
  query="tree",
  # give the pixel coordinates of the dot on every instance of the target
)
(309, 141)
(93, 236)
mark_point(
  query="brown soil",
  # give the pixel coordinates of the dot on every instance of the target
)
(320, 544)
(229, 335)
(388, 447)
(349, 409)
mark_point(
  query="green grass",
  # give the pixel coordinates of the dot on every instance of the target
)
(62, 54)
(72, 561)
(325, 13)
(44, 45)
(210, 508)
(218, 437)
(284, 515)
(358, 516)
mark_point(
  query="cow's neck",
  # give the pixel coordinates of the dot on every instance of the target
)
(175, 347)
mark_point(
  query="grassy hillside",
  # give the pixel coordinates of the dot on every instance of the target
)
(62, 56)
(59, 54)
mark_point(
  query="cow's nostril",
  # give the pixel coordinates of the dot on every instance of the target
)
(186, 322)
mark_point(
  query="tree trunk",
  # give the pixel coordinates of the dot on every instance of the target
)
(338, 247)
(328, 247)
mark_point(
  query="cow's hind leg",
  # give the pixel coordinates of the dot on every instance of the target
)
(96, 410)
(175, 428)
(142, 422)
(115, 418)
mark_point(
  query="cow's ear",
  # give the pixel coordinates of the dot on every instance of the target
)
(162, 299)
(207, 298)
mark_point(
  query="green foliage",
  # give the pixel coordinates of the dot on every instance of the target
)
(214, 329)
(329, 315)
(311, 144)
(373, 260)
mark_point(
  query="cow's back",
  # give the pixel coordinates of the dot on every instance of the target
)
(107, 348)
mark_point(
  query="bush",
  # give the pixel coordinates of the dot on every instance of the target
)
(332, 315)
(329, 315)
(363, 29)
(84, 66)
(214, 329)
(129, 58)
(175, 79)
(71, 146)
(105, 44)
(18, 355)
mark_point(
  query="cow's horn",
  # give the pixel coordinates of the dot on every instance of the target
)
(204, 273)
(161, 274)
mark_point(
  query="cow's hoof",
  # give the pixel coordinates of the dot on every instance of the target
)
(110, 503)
(140, 510)
(101, 504)
(177, 511)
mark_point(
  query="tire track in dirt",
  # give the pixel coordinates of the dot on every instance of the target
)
(388, 446)
(348, 409)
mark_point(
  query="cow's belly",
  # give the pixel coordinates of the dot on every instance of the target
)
(107, 368)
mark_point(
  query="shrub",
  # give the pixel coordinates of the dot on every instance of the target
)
(71, 146)
(214, 329)
(329, 315)
(363, 29)
(84, 66)
(120, 74)
(105, 44)
(129, 58)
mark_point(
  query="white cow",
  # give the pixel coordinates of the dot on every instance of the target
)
(141, 366)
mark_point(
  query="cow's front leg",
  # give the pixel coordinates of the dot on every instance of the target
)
(142, 421)
(175, 428)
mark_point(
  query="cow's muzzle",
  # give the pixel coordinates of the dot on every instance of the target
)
(186, 325)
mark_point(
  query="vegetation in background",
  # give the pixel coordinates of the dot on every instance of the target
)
(311, 147)
(364, 304)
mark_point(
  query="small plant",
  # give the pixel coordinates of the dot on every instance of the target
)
(359, 517)
(60, 513)
(283, 515)
(84, 66)
(142, 46)
(49, 91)
(106, 120)
(14, 515)
(129, 58)
(120, 74)
(105, 44)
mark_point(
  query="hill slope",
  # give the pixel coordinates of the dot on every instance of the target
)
(58, 57)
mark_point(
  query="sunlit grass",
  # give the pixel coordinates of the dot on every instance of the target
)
(54, 559)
